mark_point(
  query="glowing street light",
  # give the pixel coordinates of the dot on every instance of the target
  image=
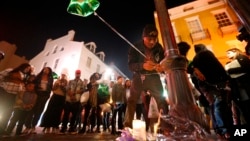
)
(108, 74)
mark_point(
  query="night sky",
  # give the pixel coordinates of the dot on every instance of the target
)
(30, 24)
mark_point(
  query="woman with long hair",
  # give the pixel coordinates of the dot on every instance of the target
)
(52, 115)
(239, 70)
(11, 84)
(43, 86)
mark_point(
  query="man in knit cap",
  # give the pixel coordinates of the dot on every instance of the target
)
(146, 71)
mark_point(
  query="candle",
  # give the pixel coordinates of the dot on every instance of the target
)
(155, 128)
(139, 130)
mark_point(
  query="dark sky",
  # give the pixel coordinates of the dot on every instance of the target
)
(29, 24)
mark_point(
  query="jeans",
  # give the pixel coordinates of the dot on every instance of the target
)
(118, 110)
(221, 116)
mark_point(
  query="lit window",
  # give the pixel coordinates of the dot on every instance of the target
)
(196, 30)
(222, 17)
(194, 24)
(225, 23)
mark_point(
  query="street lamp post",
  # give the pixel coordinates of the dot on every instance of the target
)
(241, 8)
(181, 100)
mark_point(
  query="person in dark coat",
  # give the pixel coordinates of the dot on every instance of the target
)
(213, 82)
(239, 70)
(207, 67)
(92, 109)
(146, 71)
(184, 47)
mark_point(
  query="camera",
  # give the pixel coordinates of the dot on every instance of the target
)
(1, 55)
(244, 35)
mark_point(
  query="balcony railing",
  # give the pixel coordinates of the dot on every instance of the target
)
(228, 29)
(200, 35)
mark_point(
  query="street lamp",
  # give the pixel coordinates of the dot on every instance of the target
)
(108, 74)
(241, 8)
(181, 100)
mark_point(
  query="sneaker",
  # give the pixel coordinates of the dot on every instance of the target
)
(33, 130)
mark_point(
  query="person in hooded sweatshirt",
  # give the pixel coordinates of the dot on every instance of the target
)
(213, 83)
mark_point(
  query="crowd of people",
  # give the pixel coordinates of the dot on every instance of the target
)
(223, 92)
(24, 96)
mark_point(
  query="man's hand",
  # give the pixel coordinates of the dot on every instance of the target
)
(159, 68)
(199, 75)
(149, 65)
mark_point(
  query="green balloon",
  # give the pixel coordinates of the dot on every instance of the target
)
(83, 8)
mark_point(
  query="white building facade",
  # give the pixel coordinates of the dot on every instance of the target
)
(66, 55)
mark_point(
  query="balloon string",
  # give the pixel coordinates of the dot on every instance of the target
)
(119, 34)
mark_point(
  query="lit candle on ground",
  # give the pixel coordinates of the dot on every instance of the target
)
(139, 130)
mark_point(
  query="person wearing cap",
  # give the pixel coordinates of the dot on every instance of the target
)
(72, 105)
(146, 71)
